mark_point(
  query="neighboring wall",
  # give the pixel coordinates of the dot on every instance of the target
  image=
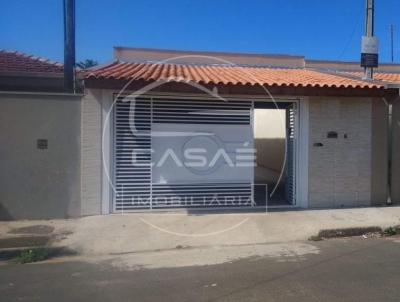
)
(396, 153)
(340, 170)
(205, 57)
(39, 183)
(379, 181)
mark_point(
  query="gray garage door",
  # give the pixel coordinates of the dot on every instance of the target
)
(142, 125)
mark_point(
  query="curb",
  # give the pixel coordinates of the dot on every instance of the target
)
(348, 232)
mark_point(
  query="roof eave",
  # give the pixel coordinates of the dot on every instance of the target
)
(31, 74)
(182, 87)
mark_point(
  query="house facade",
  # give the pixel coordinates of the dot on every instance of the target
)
(336, 149)
(166, 130)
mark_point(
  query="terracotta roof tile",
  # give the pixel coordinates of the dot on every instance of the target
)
(225, 75)
(393, 78)
(20, 62)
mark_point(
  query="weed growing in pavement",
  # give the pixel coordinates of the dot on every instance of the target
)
(32, 255)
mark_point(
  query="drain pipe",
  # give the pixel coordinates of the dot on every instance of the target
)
(390, 144)
(389, 152)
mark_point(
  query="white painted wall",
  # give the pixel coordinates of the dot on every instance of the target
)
(269, 139)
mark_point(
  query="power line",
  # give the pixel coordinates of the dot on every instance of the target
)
(356, 24)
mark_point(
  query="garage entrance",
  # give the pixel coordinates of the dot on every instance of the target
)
(275, 144)
(185, 153)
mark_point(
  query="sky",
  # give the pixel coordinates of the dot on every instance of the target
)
(317, 29)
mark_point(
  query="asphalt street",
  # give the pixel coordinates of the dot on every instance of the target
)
(354, 269)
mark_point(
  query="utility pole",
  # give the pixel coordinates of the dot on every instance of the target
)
(69, 46)
(369, 46)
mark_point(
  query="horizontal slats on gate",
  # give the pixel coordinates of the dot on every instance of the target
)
(201, 195)
(132, 131)
(132, 153)
(201, 112)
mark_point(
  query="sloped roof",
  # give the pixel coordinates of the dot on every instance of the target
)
(17, 62)
(225, 75)
(393, 78)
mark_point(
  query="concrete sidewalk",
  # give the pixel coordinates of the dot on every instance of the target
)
(140, 232)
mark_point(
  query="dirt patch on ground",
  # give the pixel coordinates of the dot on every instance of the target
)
(23, 241)
(33, 229)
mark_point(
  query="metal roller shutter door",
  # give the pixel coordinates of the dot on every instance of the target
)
(137, 122)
